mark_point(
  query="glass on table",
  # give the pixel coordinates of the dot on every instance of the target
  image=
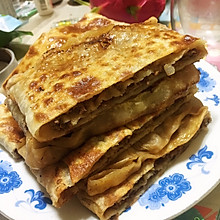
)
(199, 18)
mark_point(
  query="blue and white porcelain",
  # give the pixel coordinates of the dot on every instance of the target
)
(192, 176)
(9, 179)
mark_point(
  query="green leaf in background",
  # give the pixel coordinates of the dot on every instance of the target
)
(7, 37)
(132, 10)
(218, 216)
(81, 2)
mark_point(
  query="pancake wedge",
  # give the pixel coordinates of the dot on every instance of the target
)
(68, 87)
(116, 187)
(114, 151)
(163, 92)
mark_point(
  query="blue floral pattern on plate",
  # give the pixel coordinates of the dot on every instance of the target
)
(35, 197)
(198, 159)
(168, 188)
(9, 179)
(151, 199)
(206, 84)
(215, 98)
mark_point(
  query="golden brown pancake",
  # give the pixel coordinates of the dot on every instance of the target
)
(113, 155)
(65, 88)
(102, 108)
(117, 186)
(162, 94)
(11, 136)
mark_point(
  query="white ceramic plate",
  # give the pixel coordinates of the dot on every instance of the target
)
(191, 177)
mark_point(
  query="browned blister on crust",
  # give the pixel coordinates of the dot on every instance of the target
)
(11, 135)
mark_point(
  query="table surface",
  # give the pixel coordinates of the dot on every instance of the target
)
(210, 205)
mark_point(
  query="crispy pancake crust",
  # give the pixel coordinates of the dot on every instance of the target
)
(11, 136)
(61, 78)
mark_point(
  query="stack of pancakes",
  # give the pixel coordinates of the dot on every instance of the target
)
(101, 108)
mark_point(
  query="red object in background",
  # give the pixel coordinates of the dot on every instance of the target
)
(207, 213)
(129, 11)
